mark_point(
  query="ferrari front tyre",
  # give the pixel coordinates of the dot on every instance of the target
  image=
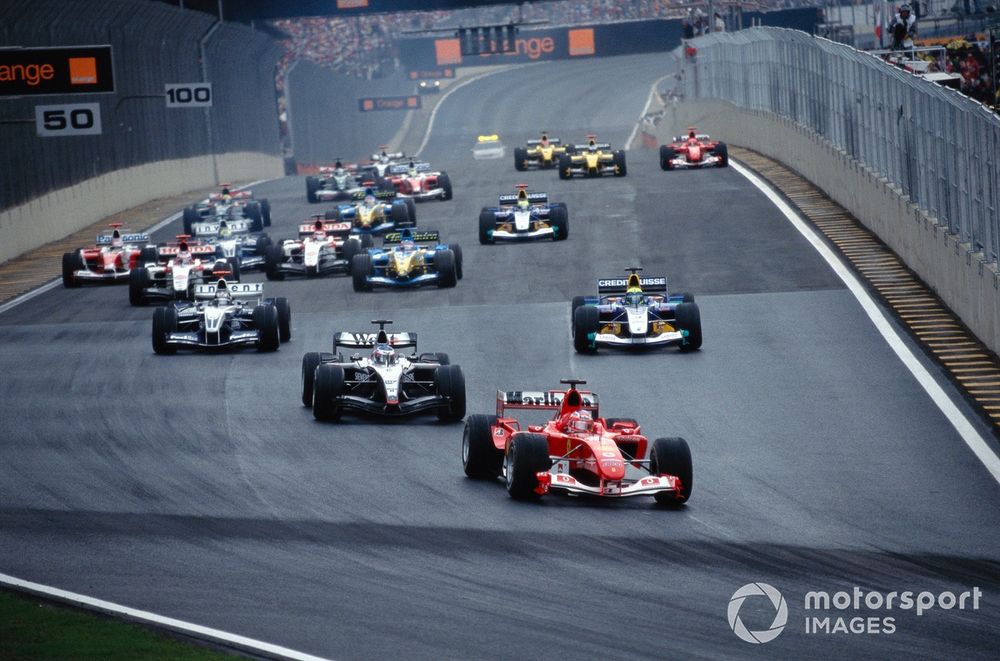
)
(559, 219)
(527, 456)
(586, 322)
(480, 457)
(273, 259)
(667, 156)
(672, 456)
(265, 212)
(444, 182)
(361, 269)
(71, 263)
(520, 159)
(457, 249)
(164, 322)
(138, 280)
(149, 255)
(190, 216)
(284, 318)
(450, 384)
(619, 160)
(444, 264)
(487, 223)
(688, 318)
(328, 388)
(310, 362)
(253, 213)
(722, 151)
(312, 185)
(565, 167)
(265, 321)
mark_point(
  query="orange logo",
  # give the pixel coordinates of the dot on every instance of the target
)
(448, 51)
(368, 104)
(581, 42)
(82, 71)
(412, 101)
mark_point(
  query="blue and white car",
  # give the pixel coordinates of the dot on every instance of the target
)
(233, 238)
(408, 258)
(523, 216)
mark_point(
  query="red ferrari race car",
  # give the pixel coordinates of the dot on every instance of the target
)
(110, 260)
(697, 150)
(576, 452)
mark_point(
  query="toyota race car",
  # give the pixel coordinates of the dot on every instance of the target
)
(370, 216)
(109, 260)
(576, 452)
(179, 268)
(635, 312)
(224, 315)
(543, 153)
(384, 381)
(218, 205)
(593, 160)
(323, 247)
(523, 216)
(403, 262)
(419, 182)
(696, 150)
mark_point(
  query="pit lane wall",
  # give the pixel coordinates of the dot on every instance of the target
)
(916, 163)
(51, 187)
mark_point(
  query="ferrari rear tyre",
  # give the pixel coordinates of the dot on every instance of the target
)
(265, 320)
(667, 155)
(164, 321)
(619, 160)
(527, 456)
(487, 223)
(328, 388)
(138, 280)
(450, 383)
(310, 362)
(191, 216)
(480, 457)
(284, 319)
(71, 263)
(688, 318)
(722, 151)
(361, 269)
(457, 249)
(444, 264)
(586, 322)
(672, 456)
(312, 185)
(559, 219)
(273, 258)
(444, 181)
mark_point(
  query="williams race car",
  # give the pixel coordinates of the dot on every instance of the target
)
(224, 315)
(323, 247)
(408, 258)
(576, 452)
(595, 159)
(375, 212)
(696, 150)
(383, 381)
(109, 260)
(229, 204)
(542, 154)
(417, 181)
(179, 268)
(523, 216)
(635, 312)
(231, 238)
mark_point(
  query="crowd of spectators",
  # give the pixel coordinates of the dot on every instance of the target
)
(970, 59)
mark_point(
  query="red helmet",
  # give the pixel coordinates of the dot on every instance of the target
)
(579, 422)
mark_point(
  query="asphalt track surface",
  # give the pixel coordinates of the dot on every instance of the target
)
(197, 487)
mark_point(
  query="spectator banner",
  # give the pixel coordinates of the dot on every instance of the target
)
(372, 103)
(432, 74)
(69, 70)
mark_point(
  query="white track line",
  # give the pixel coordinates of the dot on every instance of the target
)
(645, 109)
(159, 620)
(957, 419)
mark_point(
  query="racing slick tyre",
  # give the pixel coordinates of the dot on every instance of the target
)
(520, 159)
(361, 269)
(559, 219)
(284, 319)
(265, 212)
(332, 214)
(487, 223)
(722, 151)
(527, 456)
(273, 258)
(265, 320)
(628, 422)
(444, 181)
(164, 321)
(71, 263)
(399, 212)
(351, 248)
(619, 160)
(667, 155)
(367, 241)
(444, 264)
(312, 185)
(450, 383)
(480, 458)
(310, 362)
(686, 297)
(149, 255)
(672, 456)
(586, 321)
(263, 243)
(565, 167)
(577, 302)
(191, 216)
(457, 249)
(411, 206)
(233, 264)
(384, 184)
(441, 358)
(138, 280)
(253, 213)
(688, 318)
(327, 389)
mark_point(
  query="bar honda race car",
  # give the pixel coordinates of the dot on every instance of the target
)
(417, 181)
(219, 205)
(576, 452)
(696, 150)
(383, 382)
(109, 260)
(223, 316)
(231, 238)
(375, 212)
(337, 183)
(635, 312)
(543, 153)
(408, 258)
(523, 216)
(323, 247)
(179, 268)
(596, 159)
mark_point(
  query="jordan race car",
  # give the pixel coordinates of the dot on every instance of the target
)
(523, 216)
(109, 260)
(179, 268)
(576, 452)
(408, 258)
(595, 159)
(323, 247)
(417, 181)
(697, 150)
(543, 153)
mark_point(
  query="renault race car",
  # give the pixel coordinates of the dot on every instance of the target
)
(696, 150)
(635, 312)
(417, 181)
(223, 315)
(488, 147)
(382, 381)
(594, 159)
(543, 153)
(232, 238)
(576, 452)
(109, 260)
(523, 216)
(375, 212)
(335, 183)
(323, 247)
(179, 268)
(408, 258)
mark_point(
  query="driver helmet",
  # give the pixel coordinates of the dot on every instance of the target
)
(579, 422)
(222, 292)
(412, 169)
(633, 296)
(116, 239)
(544, 140)
(592, 145)
(319, 231)
(224, 231)
(522, 199)
(384, 355)
(183, 253)
(369, 201)
(407, 245)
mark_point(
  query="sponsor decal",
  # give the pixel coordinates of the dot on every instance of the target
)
(581, 42)
(371, 104)
(63, 70)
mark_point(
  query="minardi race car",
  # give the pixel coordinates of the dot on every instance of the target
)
(179, 268)
(218, 205)
(594, 159)
(408, 258)
(488, 147)
(542, 153)
(576, 452)
(523, 216)
(323, 247)
(696, 150)
(375, 212)
(417, 181)
(635, 312)
(339, 182)
(231, 238)
(109, 260)
(224, 315)
(383, 381)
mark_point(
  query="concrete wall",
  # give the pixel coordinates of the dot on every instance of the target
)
(968, 285)
(62, 212)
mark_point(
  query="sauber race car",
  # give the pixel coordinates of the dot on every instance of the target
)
(696, 150)
(635, 312)
(224, 315)
(375, 212)
(408, 258)
(323, 247)
(417, 181)
(339, 182)
(180, 267)
(576, 452)
(109, 260)
(523, 216)
(542, 153)
(488, 147)
(231, 238)
(595, 159)
(218, 205)
(383, 380)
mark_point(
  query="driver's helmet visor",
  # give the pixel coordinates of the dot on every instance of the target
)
(633, 299)
(369, 200)
(580, 425)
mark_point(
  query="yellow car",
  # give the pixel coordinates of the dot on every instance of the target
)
(595, 159)
(542, 153)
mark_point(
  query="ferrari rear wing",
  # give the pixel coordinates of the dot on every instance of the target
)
(698, 136)
(618, 284)
(508, 199)
(236, 289)
(424, 236)
(368, 340)
(105, 239)
(330, 228)
(542, 400)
